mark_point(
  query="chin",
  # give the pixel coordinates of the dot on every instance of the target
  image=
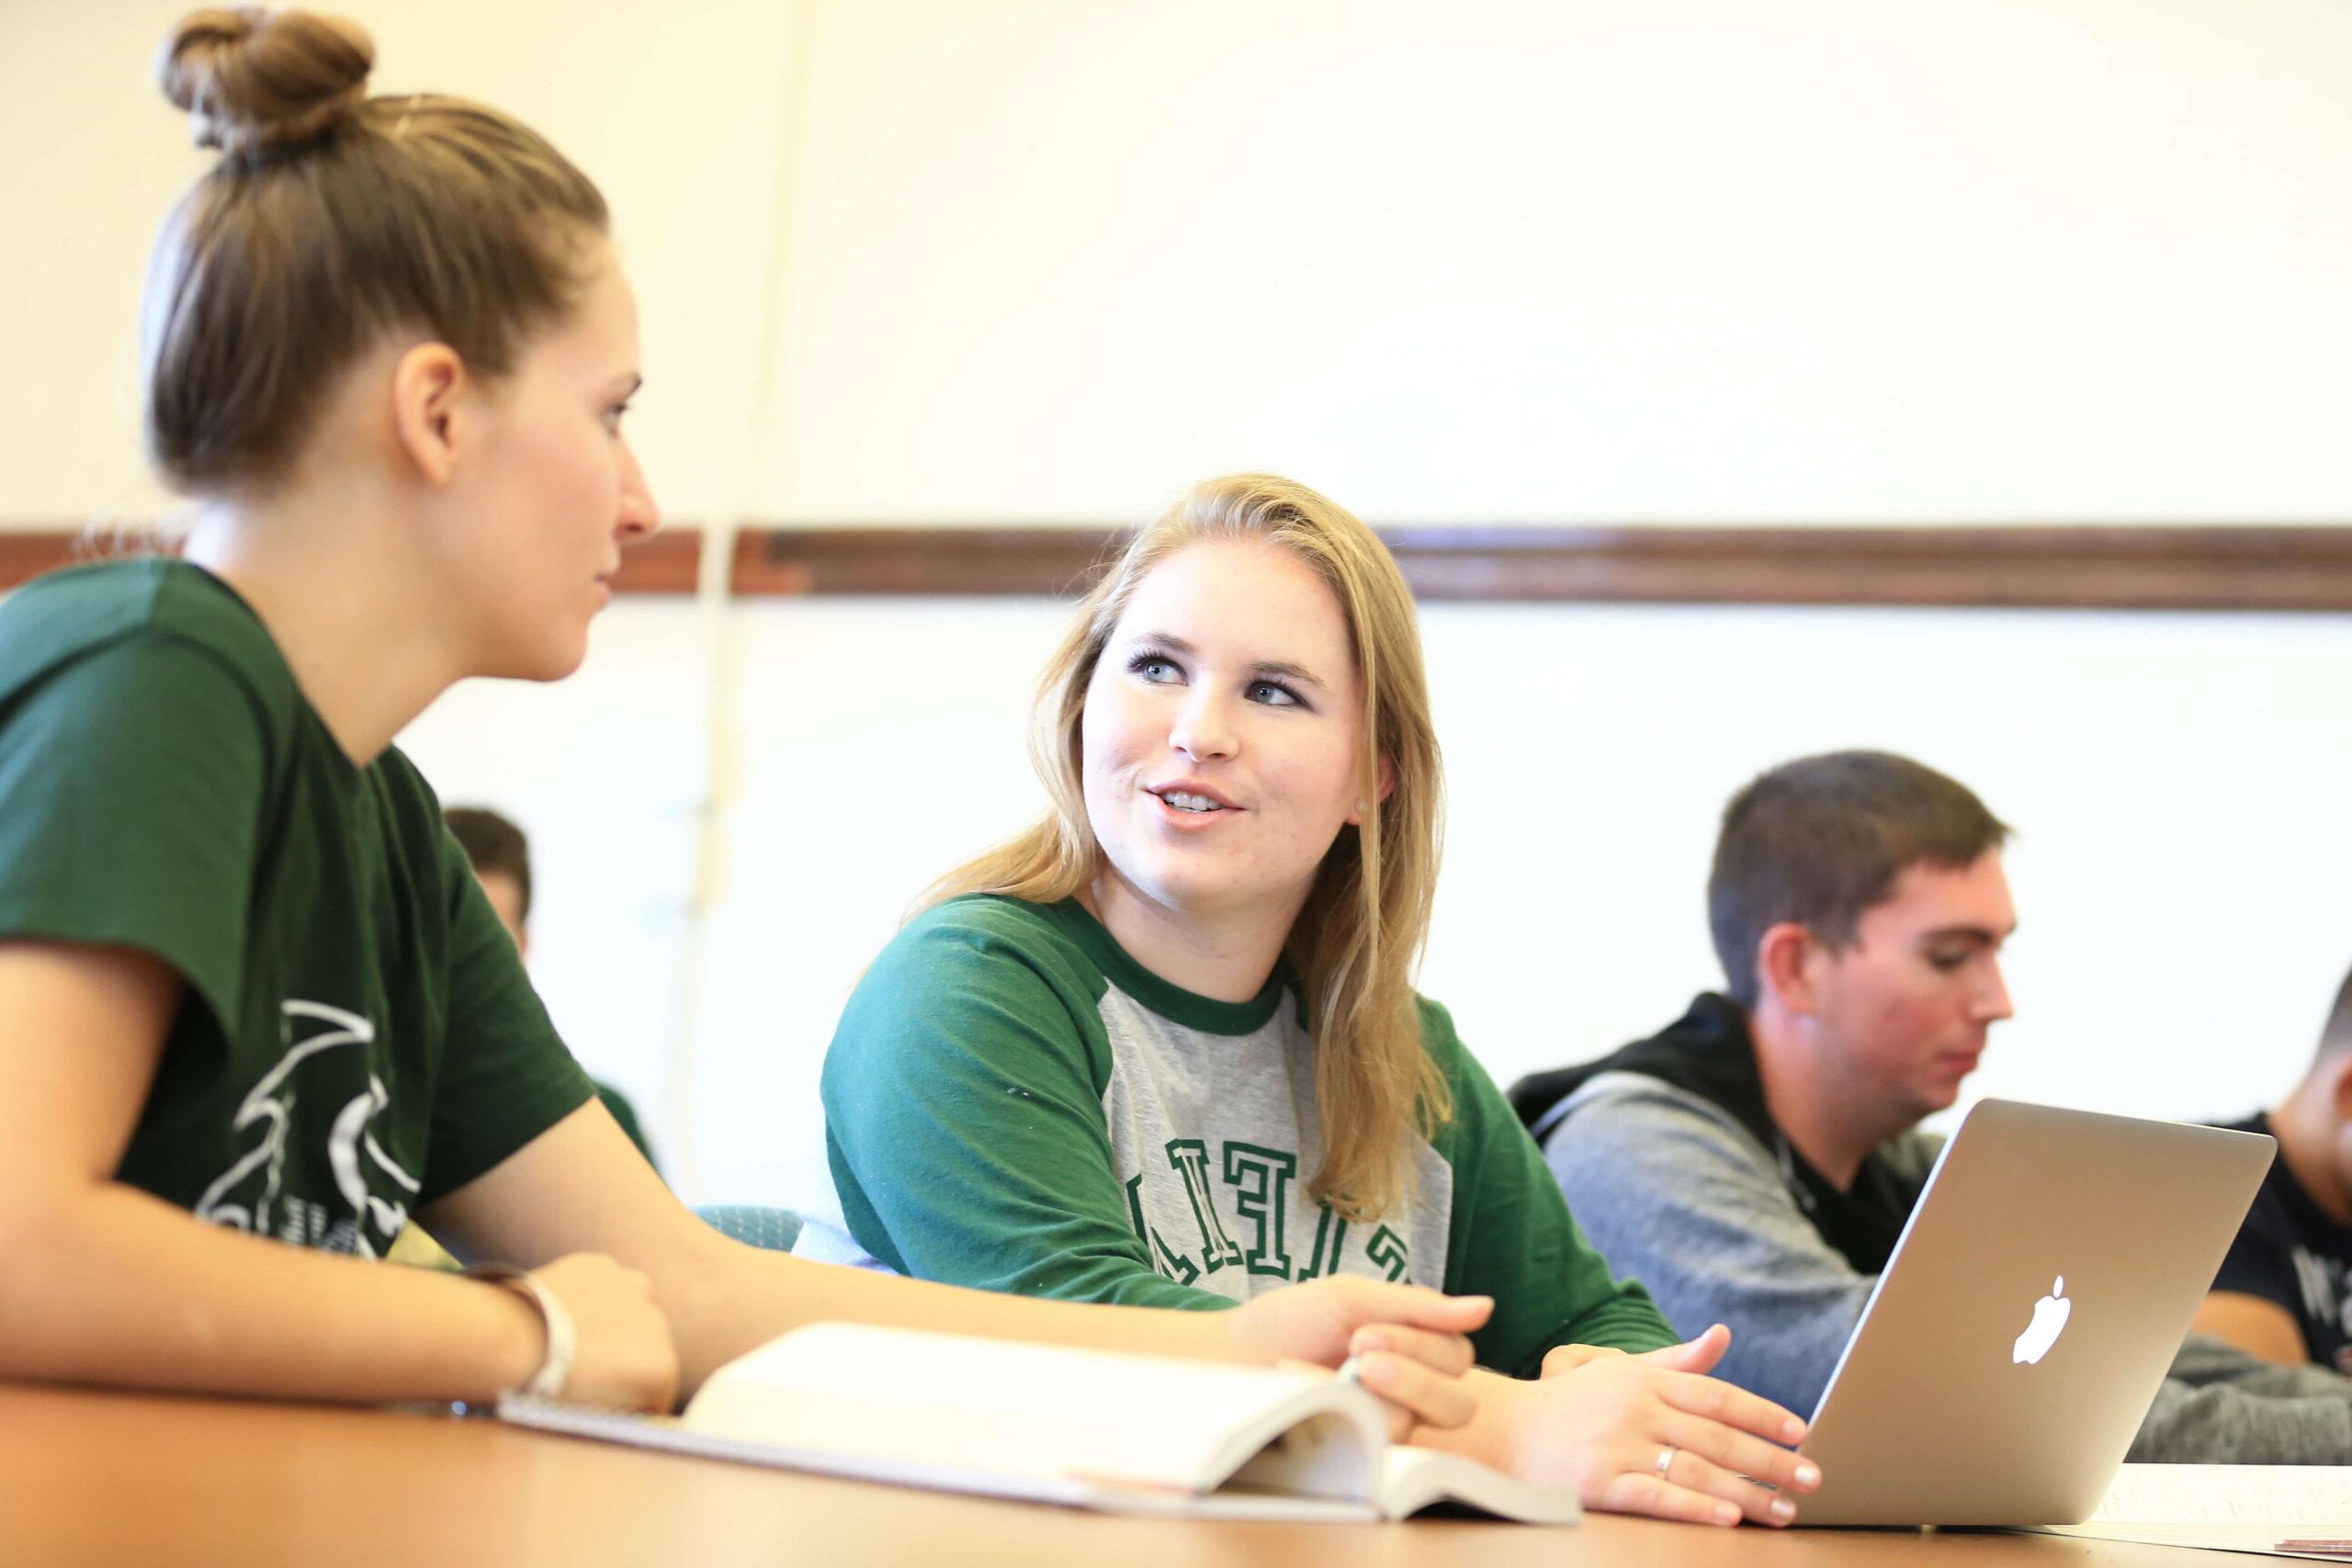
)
(545, 663)
(563, 663)
(1942, 1098)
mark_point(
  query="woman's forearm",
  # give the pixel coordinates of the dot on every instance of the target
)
(109, 1286)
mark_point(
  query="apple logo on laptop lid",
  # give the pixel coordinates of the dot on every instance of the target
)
(2050, 1315)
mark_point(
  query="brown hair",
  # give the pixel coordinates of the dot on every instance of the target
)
(1819, 840)
(494, 846)
(330, 219)
(1354, 945)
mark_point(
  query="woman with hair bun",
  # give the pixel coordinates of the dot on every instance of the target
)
(1163, 1048)
(250, 994)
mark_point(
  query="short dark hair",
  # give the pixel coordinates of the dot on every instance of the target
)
(494, 847)
(1823, 839)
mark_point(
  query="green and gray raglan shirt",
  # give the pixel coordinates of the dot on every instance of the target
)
(1014, 1103)
(356, 1036)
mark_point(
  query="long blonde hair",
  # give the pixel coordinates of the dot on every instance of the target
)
(1356, 942)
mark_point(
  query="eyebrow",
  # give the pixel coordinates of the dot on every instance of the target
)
(636, 383)
(1282, 667)
(1984, 934)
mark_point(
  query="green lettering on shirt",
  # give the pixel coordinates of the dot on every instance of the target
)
(1167, 1259)
(1331, 1235)
(1388, 1249)
(1261, 1179)
(1191, 1158)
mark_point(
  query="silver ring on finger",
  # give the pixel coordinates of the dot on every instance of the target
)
(1665, 1461)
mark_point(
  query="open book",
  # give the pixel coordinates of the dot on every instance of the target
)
(1144, 1434)
(2282, 1510)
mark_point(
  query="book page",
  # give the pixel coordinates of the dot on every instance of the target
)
(949, 1403)
(2299, 1499)
(2228, 1507)
(1413, 1479)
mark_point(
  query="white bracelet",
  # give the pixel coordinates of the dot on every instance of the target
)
(555, 1370)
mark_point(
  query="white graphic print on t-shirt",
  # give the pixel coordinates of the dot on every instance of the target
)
(368, 1204)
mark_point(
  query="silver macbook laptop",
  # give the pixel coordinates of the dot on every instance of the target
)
(2031, 1309)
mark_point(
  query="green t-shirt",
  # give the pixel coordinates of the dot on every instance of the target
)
(1011, 1102)
(356, 1037)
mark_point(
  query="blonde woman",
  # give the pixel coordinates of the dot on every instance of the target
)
(1163, 1048)
(254, 1011)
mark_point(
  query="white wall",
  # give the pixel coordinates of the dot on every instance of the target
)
(949, 260)
(1547, 259)
(677, 110)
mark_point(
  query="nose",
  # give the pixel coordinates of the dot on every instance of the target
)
(1993, 995)
(637, 516)
(1202, 730)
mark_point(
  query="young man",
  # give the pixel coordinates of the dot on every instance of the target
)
(2285, 1291)
(500, 857)
(1755, 1161)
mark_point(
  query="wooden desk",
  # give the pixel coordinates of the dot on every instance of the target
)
(122, 1479)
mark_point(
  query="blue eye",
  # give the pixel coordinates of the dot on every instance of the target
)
(613, 418)
(1273, 694)
(1156, 668)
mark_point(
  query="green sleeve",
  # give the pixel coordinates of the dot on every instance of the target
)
(1511, 1236)
(131, 785)
(504, 1075)
(964, 1114)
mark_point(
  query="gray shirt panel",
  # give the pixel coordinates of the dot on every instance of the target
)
(1252, 1098)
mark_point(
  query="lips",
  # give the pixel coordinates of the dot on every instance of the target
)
(1188, 807)
(1178, 800)
(1190, 796)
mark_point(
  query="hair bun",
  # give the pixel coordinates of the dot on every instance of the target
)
(257, 81)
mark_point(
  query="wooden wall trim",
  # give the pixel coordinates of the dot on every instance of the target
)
(2136, 567)
(2254, 567)
(23, 554)
(1025, 563)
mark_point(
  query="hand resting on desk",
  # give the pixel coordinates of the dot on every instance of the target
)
(1410, 1343)
(623, 1357)
(1622, 1412)
(1598, 1421)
